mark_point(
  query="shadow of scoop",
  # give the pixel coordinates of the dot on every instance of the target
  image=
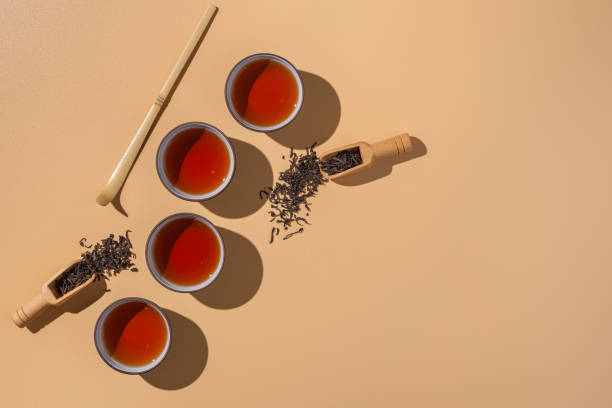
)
(75, 304)
(240, 278)
(186, 358)
(383, 167)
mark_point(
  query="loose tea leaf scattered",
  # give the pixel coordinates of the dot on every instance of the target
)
(344, 160)
(107, 257)
(293, 233)
(274, 232)
(295, 186)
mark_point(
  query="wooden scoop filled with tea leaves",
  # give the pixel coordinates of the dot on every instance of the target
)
(49, 296)
(107, 257)
(359, 156)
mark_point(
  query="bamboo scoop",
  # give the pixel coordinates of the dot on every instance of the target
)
(118, 177)
(47, 297)
(391, 147)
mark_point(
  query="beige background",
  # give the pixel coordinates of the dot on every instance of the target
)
(476, 275)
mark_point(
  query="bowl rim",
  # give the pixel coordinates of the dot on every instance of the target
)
(151, 263)
(163, 146)
(238, 67)
(124, 368)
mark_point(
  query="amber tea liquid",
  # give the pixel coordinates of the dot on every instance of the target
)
(134, 333)
(264, 93)
(186, 251)
(196, 161)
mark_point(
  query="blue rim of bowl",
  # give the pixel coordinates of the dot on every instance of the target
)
(99, 326)
(151, 262)
(161, 150)
(235, 70)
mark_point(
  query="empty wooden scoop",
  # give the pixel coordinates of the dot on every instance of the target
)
(391, 147)
(47, 297)
(116, 180)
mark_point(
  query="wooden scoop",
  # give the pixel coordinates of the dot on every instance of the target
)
(47, 297)
(116, 180)
(391, 147)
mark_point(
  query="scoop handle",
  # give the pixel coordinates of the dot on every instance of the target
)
(394, 146)
(116, 180)
(24, 314)
(122, 170)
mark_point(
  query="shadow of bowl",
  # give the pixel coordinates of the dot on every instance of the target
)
(186, 358)
(241, 197)
(240, 277)
(318, 118)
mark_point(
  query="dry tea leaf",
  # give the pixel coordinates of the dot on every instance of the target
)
(295, 187)
(107, 257)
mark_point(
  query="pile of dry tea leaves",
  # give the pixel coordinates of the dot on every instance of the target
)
(295, 186)
(344, 160)
(107, 257)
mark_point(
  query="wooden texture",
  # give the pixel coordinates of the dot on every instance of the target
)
(47, 297)
(392, 147)
(117, 179)
(24, 314)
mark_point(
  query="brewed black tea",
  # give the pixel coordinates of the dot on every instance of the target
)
(134, 333)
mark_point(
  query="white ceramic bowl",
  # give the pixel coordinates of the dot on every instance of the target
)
(151, 259)
(105, 354)
(161, 153)
(229, 85)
